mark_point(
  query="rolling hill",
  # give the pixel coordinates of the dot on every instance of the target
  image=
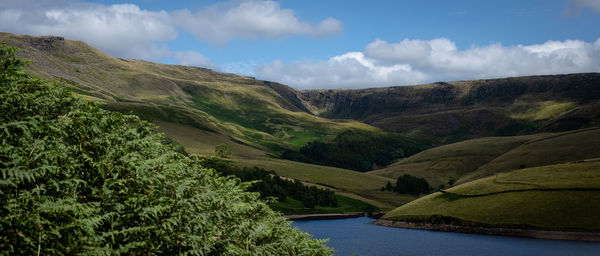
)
(552, 197)
(478, 158)
(243, 112)
(482, 128)
(448, 112)
(201, 108)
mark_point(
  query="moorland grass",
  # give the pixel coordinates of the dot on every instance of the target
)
(552, 210)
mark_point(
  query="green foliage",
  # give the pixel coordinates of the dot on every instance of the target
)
(388, 186)
(76, 179)
(222, 150)
(357, 150)
(408, 184)
(451, 181)
(268, 184)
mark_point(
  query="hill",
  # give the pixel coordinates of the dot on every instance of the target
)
(553, 197)
(201, 108)
(268, 116)
(478, 158)
(447, 112)
(247, 114)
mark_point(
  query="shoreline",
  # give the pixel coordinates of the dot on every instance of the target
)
(332, 216)
(530, 233)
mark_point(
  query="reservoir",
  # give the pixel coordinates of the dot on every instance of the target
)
(357, 236)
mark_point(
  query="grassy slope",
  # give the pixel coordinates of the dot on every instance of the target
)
(478, 158)
(345, 204)
(200, 108)
(439, 164)
(362, 186)
(447, 112)
(551, 149)
(239, 108)
(554, 210)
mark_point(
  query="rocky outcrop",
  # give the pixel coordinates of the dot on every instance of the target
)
(463, 109)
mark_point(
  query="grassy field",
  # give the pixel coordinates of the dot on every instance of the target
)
(437, 165)
(547, 150)
(200, 142)
(544, 110)
(478, 158)
(345, 204)
(362, 186)
(553, 210)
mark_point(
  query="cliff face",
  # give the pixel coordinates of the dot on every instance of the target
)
(469, 109)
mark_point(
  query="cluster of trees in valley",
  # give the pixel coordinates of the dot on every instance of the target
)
(269, 184)
(357, 150)
(408, 184)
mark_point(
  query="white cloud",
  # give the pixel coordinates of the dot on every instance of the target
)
(252, 20)
(594, 4)
(192, 58)
(123, 30)
(422, 61)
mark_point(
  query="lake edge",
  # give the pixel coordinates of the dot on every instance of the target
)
(514, 232)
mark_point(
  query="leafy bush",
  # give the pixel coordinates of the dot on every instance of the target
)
(408, 184)
(357, 150)
(76, 179)
(222, 150)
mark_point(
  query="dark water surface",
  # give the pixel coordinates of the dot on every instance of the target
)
(348, 236)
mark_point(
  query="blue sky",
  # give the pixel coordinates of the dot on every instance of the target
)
(332, 44)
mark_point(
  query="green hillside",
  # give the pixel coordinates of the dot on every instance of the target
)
(447, 112)
(554, 197)
(478, 158)
(235, 109)
(438, 165)
(362, 186)
(547, 150)
(201, 108)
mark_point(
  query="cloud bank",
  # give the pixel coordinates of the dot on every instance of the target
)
(422, 61)
(252, 20)
(122, 30)
(125, 30)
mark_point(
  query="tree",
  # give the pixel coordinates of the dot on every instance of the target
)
(77, 179)
(222, 150)
(408, 184)
(388, 186)
(451, 181)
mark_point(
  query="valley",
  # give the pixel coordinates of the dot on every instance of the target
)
(537, 132)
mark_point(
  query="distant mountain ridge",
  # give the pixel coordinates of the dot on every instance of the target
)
(452, 111)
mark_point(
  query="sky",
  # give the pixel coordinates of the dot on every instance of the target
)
(331, 44)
